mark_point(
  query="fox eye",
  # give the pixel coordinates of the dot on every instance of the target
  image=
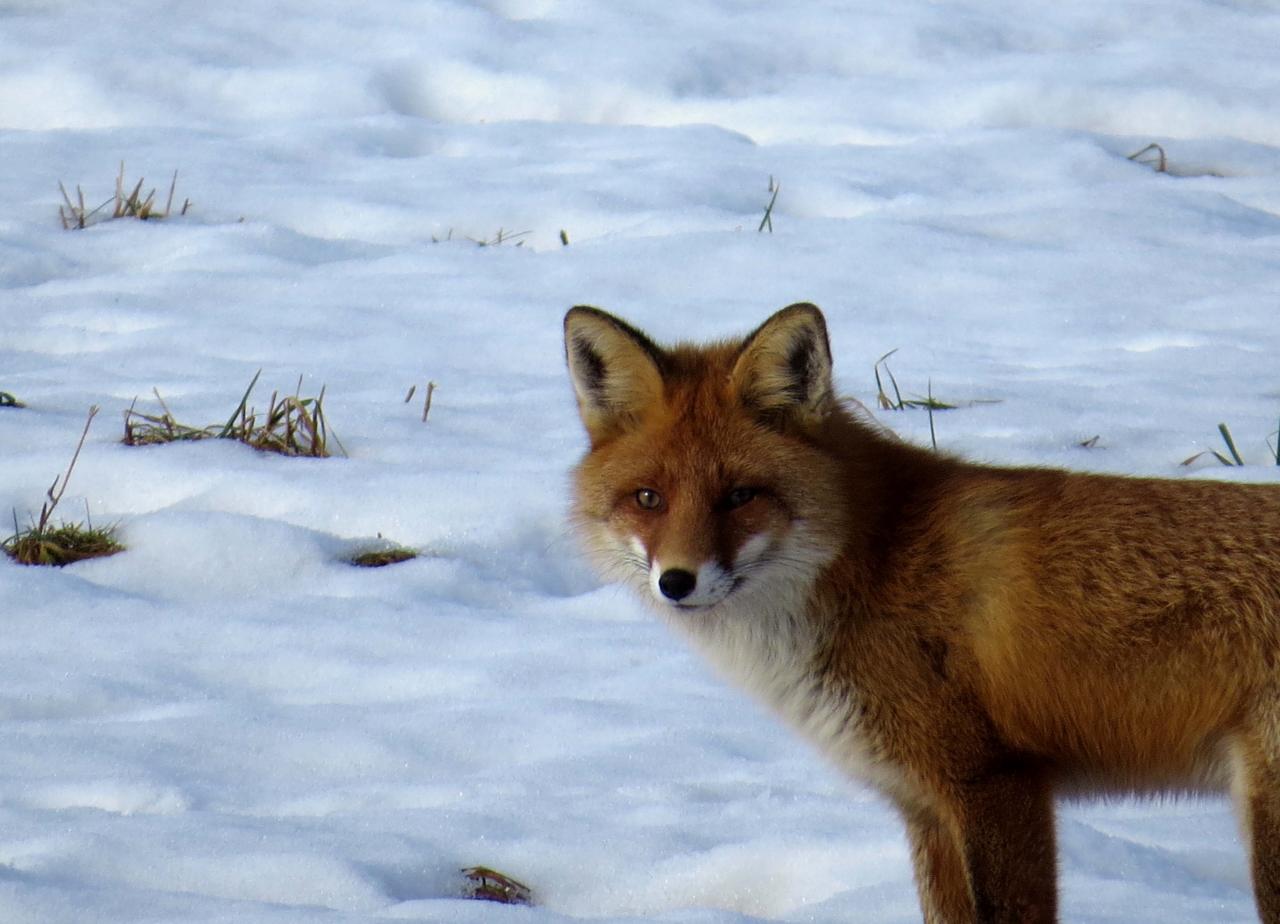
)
(648, 499)
(740, 496)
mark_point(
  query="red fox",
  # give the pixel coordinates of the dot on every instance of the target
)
(972, 641)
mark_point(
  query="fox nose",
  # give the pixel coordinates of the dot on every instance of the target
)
(676, 583)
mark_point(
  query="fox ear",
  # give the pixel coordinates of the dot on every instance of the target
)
(616, 370)
(783, 370)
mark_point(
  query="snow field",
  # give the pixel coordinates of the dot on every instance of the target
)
(228, 723)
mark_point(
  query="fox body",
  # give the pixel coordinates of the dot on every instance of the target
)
(972, 641)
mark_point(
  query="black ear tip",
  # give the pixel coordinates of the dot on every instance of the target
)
(800, 313)
(814, 315)
(579, 311)
(808, 309)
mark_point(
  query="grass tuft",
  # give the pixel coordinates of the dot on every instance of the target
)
(43, 543)
(76, 215)
(1231, 444)
(767, 220)
(426, 405)
(291, 426)
(897, 402)
(61, 545)
(380, 552)
(380, 558)
(152, 429)
(1235, 458)
(501, 237)
(489, 885)
(1152, 156)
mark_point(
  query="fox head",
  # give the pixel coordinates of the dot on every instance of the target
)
(706, 481)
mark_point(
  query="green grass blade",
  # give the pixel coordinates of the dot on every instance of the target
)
(231, 421)
(1231, 444)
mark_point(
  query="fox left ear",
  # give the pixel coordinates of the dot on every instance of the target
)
(616, 370)
(784, 368)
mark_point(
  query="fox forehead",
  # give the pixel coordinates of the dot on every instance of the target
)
(697, 441)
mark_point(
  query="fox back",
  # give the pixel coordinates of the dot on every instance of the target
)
(970, 640)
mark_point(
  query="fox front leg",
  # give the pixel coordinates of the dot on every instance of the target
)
(1264, 815)
(1004, 834)
(941, 878)
(1258, 802)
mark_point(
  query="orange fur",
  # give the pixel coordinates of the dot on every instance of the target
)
(971, 640)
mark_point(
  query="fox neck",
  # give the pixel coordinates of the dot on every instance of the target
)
(781, 643)
(769, 645)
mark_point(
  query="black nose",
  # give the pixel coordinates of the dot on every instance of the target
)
(676, 583)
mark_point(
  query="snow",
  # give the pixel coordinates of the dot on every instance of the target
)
(229, 723)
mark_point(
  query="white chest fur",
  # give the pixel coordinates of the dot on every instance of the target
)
(771, 649)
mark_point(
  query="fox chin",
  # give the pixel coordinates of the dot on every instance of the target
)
(972, 641)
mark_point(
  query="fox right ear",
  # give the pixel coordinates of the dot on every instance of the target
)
(616, 370)
(784, 368)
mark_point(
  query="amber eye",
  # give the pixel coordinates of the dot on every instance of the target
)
(739, 496)
(648, 499)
